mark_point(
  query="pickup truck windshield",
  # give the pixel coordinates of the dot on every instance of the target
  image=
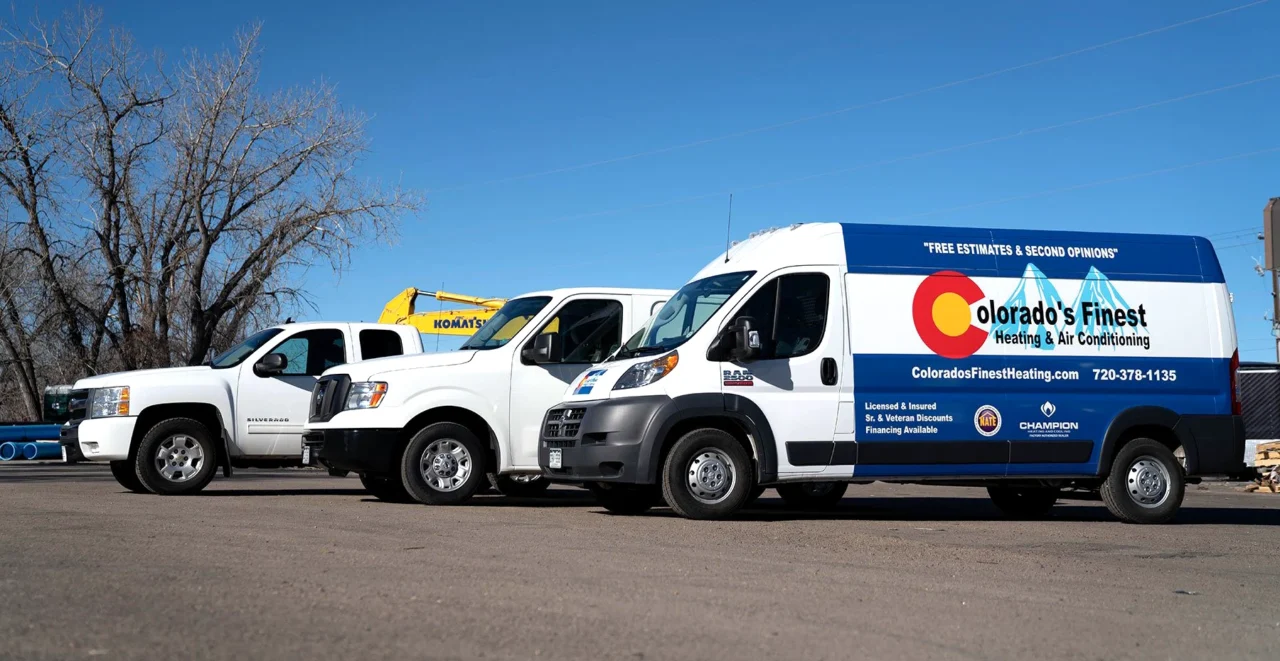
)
(506, 322)
(235, 355)
(685, 313)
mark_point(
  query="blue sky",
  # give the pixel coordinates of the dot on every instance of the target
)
(465, 99)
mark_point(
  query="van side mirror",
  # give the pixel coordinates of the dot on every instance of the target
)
(271, 364)
(546, 348)
(738, 342)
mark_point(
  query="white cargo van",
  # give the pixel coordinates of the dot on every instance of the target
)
(431, 428)
(167, 430)
(822, 354)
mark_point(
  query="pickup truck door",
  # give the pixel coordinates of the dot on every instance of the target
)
(273, 409)
(590, 329)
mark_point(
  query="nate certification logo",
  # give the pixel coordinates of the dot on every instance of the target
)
(1048, 428)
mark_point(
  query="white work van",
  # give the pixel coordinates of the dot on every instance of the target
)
(167, 431)
(438, 427)
(821, 354)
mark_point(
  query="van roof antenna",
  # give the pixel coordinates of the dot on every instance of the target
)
(728, 231)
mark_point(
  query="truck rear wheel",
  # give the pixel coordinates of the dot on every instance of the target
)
(1023, 502)
(707, 475)
(812, 495)
(519, 486)
(176, 457)
(127, 475)
(626, 498)
(1146, 484)
(385, 487)
(443, 464)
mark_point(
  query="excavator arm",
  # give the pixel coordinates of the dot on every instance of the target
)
(401, 310)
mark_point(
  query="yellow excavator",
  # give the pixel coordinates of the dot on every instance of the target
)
(402, 310)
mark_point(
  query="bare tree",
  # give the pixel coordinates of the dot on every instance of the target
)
(158, 210)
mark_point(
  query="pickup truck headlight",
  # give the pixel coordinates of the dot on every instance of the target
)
(365, 395)
(109, 402)
(642, 374)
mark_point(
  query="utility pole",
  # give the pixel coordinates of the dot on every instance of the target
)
(1271, 246)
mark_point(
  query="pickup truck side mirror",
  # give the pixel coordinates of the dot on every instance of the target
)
(271, 364)
(546, 348)
(739, 342)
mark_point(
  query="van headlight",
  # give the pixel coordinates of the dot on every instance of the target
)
(642, 374)
(109, 402)
(365, 395)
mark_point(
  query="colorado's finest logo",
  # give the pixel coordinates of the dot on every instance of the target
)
(987, 420)
(943, 317)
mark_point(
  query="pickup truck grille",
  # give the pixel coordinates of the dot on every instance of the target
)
(77, 404)
(562, 426)
(328, 397)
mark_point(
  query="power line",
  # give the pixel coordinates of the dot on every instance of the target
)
(1242, 230)
(1091, 184)
(923, 154)
(852, 108)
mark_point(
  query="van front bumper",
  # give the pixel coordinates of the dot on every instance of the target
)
(613, 441)
(373, 451)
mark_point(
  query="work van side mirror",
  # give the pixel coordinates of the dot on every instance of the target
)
(738, 342)
(271, 364)
(546, 349)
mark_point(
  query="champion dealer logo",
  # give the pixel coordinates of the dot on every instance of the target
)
(1049, 428)
(1048, 409)
(987, 420)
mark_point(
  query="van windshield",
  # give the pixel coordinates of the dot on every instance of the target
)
(688, 310)
(506, 322)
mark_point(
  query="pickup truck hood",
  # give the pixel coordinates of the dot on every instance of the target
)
(138, 378)
(366, 369)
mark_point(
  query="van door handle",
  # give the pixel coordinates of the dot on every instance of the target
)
(830, 375)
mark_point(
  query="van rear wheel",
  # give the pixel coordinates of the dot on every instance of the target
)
(812, 495)
(1023, 502)
(707, 475)
(1146, 484)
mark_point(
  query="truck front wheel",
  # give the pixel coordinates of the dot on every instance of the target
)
(707, 475)
(176, 457)
(127, 475)
(443, 464)
(1146, 484)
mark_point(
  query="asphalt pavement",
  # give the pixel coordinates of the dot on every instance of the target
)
(295, 564)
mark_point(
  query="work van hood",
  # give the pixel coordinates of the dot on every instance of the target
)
(366, 369)
(138, 378)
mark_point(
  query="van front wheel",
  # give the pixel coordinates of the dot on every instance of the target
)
(1146, 484)
(443, 464)
(707, 475)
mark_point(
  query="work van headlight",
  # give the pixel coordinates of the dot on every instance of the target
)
(642, 374)
(109, 402)
(365, 395)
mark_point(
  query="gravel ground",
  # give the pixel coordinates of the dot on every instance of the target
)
(294, 564)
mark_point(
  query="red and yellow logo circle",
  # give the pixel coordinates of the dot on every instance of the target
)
(942, 315)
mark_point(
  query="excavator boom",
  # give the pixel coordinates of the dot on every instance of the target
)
(400, 310)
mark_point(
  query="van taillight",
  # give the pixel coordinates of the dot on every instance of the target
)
(1236, 408)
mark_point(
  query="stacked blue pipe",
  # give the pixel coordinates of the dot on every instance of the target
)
(28, 433)
(10, 451)
(42, 450)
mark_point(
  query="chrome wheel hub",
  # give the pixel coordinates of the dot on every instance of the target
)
(1148, 482)
(445, 465)
(179, 458)
(710, 476)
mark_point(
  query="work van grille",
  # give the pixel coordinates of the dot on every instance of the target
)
(562, 427)
(328, 397)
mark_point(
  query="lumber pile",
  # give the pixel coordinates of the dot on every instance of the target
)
(1268, 456)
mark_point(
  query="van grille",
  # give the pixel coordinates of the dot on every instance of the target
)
(328, 397)
(562, 426)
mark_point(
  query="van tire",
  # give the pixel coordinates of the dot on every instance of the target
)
(709, 458)
(182, 439)
(127, 475)
(755, 495)
(465, 454)
(1023, 502)
(812, 495)
(519, 486)
(1139, 469)
(387, 488)
(626, 499)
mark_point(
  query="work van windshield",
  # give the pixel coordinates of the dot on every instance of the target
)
(688, 310)
(506, 322)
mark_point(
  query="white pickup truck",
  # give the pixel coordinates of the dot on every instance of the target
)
(167, 431)
(433, 428)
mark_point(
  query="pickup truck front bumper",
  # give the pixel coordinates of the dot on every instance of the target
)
(106, 439)
(374, 451)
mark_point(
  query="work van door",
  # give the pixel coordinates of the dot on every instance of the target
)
(795, 381)
(590, 328)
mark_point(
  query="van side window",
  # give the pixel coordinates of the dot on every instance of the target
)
(311, 352)
(376, 343)
(790, 312)
(589, 330)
